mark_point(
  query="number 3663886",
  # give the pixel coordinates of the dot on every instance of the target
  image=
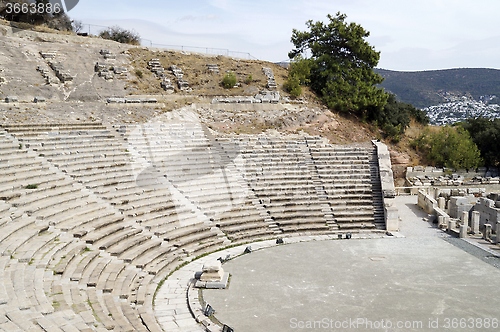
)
(33, 8)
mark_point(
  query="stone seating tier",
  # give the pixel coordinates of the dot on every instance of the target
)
(93, 258)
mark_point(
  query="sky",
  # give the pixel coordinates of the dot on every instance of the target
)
(411, 35)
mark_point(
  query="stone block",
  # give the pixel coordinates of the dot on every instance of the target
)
(487, 232)
(99, 66)
(391, 219)
(48, 55)
(486, 202)
(116, 100)
(451, 225)
(497, 231)
(465, 218)
(475, 222)
(11, 99)
(463, 231)
(39, 100)
(441, 203)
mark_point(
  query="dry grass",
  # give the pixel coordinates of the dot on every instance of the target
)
(202, 81)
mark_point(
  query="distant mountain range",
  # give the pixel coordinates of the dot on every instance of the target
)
(428, 88)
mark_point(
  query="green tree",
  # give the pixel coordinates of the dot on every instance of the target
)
(486, 134)
(396, 116)
(450, 147)
(341, 64)
(301, 69)
(229, 80)
(292, 85)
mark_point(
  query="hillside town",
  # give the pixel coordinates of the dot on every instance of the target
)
(458, 109)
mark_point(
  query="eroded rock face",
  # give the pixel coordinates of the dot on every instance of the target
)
(399, 161)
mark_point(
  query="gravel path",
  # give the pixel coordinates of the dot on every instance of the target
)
(412, 224)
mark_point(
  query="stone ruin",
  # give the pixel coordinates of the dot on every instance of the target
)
(106, 70)
(156, 68)
(271, 83)
(263, 97)
(49, 79)
(433, 176)
(63, 75)
(107, 54)
(58, 68)
(212, 276)
(464, 215)
(213, 68)
(11, 99)
(179, 75)
(114, 100)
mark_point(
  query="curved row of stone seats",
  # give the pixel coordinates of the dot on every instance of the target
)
(279, 176)
(246, 222)
(346, 177)
(28, 129)
(98, 161)
(96, 267)
(28, 237)
(194, 166)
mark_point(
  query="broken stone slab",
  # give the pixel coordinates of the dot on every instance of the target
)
(116, 100)
(48, 55)
(167, 86)
(11, 99)
(99, 66)
(212, 276)
(149, 100)
(487, 232)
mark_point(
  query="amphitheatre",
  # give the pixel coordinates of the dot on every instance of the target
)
(124, 169)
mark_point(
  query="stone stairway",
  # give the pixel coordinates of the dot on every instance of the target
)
(378, 201)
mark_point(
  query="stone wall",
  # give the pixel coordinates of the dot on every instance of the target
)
(419, 175)
(489, 212)
(387, 184)
(430, 205)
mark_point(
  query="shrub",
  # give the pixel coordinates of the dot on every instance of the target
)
(138, 73)
(292, 85)
(451, 147)
(121, 35)
(249, 79)
(229, 80)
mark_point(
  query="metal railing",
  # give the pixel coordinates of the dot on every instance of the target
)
(94, 29)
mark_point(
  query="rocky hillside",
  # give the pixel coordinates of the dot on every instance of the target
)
(77, 76)
(428, 88)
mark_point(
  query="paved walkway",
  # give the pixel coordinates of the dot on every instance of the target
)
(413, 278)
(408, 283)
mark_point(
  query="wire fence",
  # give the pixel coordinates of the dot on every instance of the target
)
(95, 30)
